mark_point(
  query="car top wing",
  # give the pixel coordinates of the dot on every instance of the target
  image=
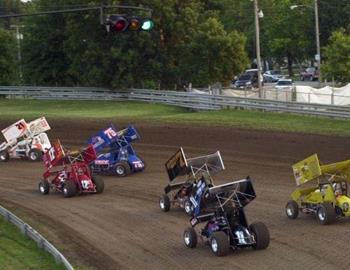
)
(340, 168)
(307, 170)
(110, 135)
(176, 165)
(104, 138)
(15, 131)
(209, 164)
(240, 192)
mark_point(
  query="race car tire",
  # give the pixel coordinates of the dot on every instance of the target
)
(122, 169)
(69, 189)
(190, 237)
(4, 156)
(292, 209)
(99, 183)
(164, 203)
(261, 234)
(325, 214)
(35, 155)
(219, 243)
(188, 207)
(44, 187)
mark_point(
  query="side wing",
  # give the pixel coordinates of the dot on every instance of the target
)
(176, 165)
(54, 156)
(307, 170)
(15, 131)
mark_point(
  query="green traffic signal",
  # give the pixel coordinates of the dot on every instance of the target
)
(147, 25)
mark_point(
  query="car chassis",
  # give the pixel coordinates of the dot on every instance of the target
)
(328, 198)
(68, 172)
(189, 180)
(227, 227)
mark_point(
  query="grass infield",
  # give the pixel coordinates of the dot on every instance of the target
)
(15, 109)
(19, 252)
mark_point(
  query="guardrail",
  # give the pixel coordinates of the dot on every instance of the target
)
(37, 237)
(190, 100)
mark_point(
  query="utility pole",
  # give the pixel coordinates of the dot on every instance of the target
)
(318, 47)
(257, 38)
(19, 36)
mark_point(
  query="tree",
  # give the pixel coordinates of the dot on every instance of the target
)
(337, 57)
(7, 58)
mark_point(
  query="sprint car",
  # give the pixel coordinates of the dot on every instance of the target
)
(189, 181)
(115, 152)
(227, 226)
(68, 172)
(321, 190)
(25, 140)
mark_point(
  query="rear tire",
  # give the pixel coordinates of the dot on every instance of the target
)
(164, 203)
(4, 156)
(69, 189)
(99, 183)
(35, 155)
(326, 214)
(44, 187)
(292, 209)
(219, 243)
(262, 235)
(190, 238)
(122, 169)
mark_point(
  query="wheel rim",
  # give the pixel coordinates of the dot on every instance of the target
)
(33, 156)
(289, 211)
(65, 191)
(120, 170)
(2, 157)
(41, 188)
(188, 207)
(214, 245)
(161, 204)
(187, 238)
(321, 214)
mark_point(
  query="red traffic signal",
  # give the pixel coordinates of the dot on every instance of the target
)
(120, 23)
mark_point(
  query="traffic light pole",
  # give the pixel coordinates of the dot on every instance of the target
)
(71, 10)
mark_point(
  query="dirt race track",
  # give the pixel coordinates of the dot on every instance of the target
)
(123, 228)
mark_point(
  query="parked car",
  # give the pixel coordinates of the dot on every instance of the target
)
(245, 81)
(254, 73)
(310, 74)
(272, 76)
(284, 84)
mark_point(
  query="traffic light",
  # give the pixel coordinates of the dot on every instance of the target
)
(122, 23)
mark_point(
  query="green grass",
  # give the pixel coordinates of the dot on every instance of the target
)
(19, 252)
(134, 111)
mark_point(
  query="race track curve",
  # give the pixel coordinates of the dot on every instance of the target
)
(123, 228)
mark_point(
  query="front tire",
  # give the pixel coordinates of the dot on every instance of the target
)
(164, 203)
(190, 238)
(326, 214)
(4, 156)
(262, 235)
(35, 155)
(69, 189)
(44, 187)
(188, 206)
(99, 183)
(122, 169)
(219, 243)
(292, 209)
